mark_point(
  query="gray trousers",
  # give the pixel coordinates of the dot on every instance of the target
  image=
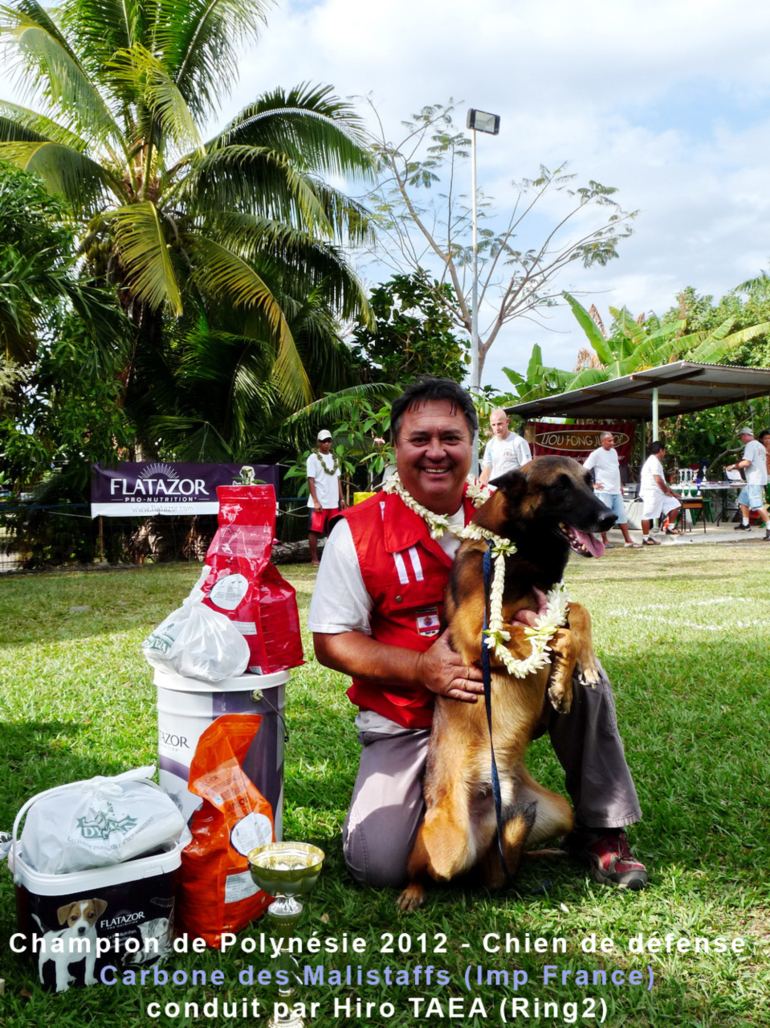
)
(387, 805)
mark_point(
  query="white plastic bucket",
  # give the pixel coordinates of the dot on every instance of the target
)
(136, 904)
(186, 708)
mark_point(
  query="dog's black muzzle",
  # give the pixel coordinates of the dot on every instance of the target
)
(606, 520)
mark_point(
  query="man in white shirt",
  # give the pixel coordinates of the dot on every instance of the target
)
(324, 480)
(505, 451)
(658, 499)
(376, 614)
(606, 468)
(751, 497)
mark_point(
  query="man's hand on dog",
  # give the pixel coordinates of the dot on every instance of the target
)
(443, 672)
(529, 617)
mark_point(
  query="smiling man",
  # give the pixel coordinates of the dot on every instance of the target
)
(376, 614)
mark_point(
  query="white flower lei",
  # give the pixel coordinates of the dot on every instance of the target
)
(557, 605)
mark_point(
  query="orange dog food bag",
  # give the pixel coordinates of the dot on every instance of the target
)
(216, 892)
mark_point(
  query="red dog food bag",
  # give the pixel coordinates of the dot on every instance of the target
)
(216, 890)
(245, 586)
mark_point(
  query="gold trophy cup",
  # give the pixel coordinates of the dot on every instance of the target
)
(285, 870)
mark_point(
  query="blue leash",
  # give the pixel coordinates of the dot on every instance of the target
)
(486, 671)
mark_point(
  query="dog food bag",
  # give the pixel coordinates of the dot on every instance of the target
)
(197, 642)
(217, 893)
(245, 586)
(98, 823)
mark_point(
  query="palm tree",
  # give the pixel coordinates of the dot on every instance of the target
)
(38, 277)
(176, 222)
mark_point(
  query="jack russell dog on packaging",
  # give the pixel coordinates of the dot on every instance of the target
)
(72, 943)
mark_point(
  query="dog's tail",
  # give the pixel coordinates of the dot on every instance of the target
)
(40, 923)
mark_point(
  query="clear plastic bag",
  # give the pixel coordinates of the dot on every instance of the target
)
(98, 823)
(198, 642)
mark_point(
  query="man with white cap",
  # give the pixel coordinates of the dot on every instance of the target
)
(751, 497)
(324, 481)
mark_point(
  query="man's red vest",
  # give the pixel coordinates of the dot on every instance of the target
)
(405, 573)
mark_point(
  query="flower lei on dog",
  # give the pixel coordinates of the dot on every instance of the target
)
(335, 461)
(557, 605)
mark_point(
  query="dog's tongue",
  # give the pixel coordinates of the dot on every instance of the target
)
(592, 543)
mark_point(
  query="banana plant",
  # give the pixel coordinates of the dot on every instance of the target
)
(634, 346)
(539, 380)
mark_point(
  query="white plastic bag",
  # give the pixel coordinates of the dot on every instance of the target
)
(98, 823)
(198, 642)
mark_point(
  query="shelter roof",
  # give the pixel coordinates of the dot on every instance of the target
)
(683, 387)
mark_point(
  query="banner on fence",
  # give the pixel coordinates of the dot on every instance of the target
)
(579, 440)
(156, 487)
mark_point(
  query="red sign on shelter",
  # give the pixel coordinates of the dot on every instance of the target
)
(579, 440)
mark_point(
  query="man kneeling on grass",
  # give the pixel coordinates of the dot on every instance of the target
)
(375, 615)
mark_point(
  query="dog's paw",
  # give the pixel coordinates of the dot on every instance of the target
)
(588, 675)
(412, 898)
(560, 697)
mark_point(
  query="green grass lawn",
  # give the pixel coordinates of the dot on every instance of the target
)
(684, 636)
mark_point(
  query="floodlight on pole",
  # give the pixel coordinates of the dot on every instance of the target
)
(477, 121)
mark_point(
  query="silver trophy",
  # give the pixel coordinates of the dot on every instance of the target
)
(285, 870)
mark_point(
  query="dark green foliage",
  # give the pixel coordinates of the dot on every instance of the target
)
(70, 337)
(413, 331)
(748, 307)
(709, 436)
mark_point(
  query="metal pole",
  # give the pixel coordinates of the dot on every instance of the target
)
(654, 413)
(475, 376)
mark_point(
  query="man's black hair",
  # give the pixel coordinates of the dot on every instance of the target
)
(425, 389)
(657, 446)
(763, 433)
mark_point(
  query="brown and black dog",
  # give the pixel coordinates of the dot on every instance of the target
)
(547, 508)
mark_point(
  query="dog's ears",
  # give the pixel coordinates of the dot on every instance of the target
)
(512, 483)
(64, 912)
(101, 906)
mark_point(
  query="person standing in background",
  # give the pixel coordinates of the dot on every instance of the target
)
(324, 480)
(606, 468)
(751, 497)
(764, 438)
(505, 451)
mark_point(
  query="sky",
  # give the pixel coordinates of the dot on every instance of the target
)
(666, 100)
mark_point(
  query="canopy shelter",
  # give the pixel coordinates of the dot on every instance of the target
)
(666, 391)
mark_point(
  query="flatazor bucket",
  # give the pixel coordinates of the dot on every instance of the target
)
(120, 915)
(186, 708)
